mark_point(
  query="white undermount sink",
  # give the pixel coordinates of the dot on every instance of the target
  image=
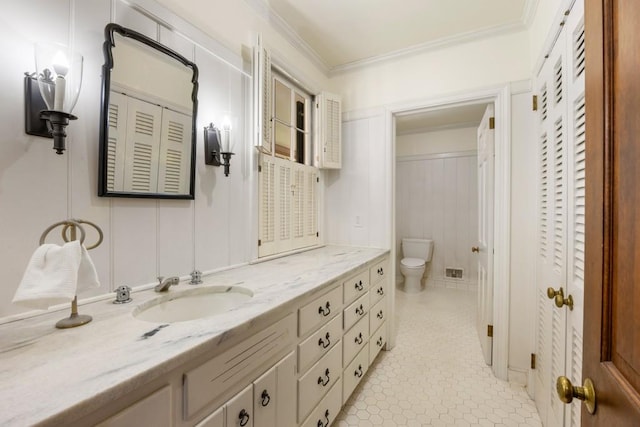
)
(180, 306)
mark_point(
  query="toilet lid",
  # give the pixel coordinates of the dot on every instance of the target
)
(412, 262)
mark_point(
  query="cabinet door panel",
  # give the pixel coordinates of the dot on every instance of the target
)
(265, 397)
(287, 391)
(153, 410)
(239, 410)
(216, 419)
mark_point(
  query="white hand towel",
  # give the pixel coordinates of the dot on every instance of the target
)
(55, 274)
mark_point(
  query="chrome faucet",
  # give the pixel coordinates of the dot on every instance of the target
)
(165, 284)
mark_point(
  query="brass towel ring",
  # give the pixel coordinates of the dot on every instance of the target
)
(82, 221)
(68, 223)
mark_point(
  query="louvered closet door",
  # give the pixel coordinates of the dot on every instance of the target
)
(574, 27)
(143, 146)
(551, 264)
(561, 215)
(175, 153)
(116, 143)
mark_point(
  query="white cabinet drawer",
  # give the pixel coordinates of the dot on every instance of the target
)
(319, 311)
(377, 292)
(153, 410)
(318, 344)
(318, 380)
(378, 314)
(379, 271)
(355, 339)
(215, 419)
(265, 398)
(356, 311)
(206, 382)
(355, 286)
(354, 372)
(377, 341)
(328, 408)
(239, 410)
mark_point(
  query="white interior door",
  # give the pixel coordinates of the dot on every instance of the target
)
(484, 250)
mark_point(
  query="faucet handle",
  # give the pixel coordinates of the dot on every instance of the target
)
(160, 279)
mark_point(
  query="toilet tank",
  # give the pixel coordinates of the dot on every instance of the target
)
(417, 248)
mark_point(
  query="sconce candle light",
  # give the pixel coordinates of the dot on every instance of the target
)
(48, 108)
(218, 143)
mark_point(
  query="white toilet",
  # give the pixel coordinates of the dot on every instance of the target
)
(416, 254)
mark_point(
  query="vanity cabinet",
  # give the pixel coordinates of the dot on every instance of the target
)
(297, 371)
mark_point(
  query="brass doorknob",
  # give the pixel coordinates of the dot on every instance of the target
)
(475, 249)
(587, 393)
(560, 300)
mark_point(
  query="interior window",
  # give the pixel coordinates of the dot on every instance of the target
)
(291, 121)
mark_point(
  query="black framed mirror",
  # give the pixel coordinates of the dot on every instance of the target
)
(147, 118)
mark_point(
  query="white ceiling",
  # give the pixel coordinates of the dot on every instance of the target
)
(346, 33)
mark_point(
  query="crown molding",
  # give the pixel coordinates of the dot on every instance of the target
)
(264, 10)
(431, 45)
(529, 12)
(289, 34)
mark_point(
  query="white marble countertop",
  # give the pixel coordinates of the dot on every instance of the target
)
(50, 375)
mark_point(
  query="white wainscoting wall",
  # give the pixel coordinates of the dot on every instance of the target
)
(437, 198)
(144, 238)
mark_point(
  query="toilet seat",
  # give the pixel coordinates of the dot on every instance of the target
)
(412, 262)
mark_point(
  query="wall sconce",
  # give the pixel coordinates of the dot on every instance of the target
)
(48, 107)
(217, 143)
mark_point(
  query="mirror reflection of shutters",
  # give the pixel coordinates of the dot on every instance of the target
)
(175, 153)
(143, 146)
(116, 141)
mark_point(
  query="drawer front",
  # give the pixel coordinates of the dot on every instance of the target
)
(239, 410)
(319, 344)
(355, 339)
(354, 372)
(215, 419)
(377, 341)
(377, 292)
(265, 397)
(355, 286)
(379, 271)
(153, 410)
(378, 314)
(313, 385)
(327, 410)
(319, 311)
(206, 382)
(356, 311)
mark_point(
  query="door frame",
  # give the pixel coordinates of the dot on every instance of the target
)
(501, 98)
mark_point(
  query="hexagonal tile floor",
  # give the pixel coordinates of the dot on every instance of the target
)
(436, 375)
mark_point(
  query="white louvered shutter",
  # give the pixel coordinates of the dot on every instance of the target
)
(311, 206)
(116, 141)
(143, 147)
(267, 206)
(329, 131)
(175, 153)
(262, 86)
